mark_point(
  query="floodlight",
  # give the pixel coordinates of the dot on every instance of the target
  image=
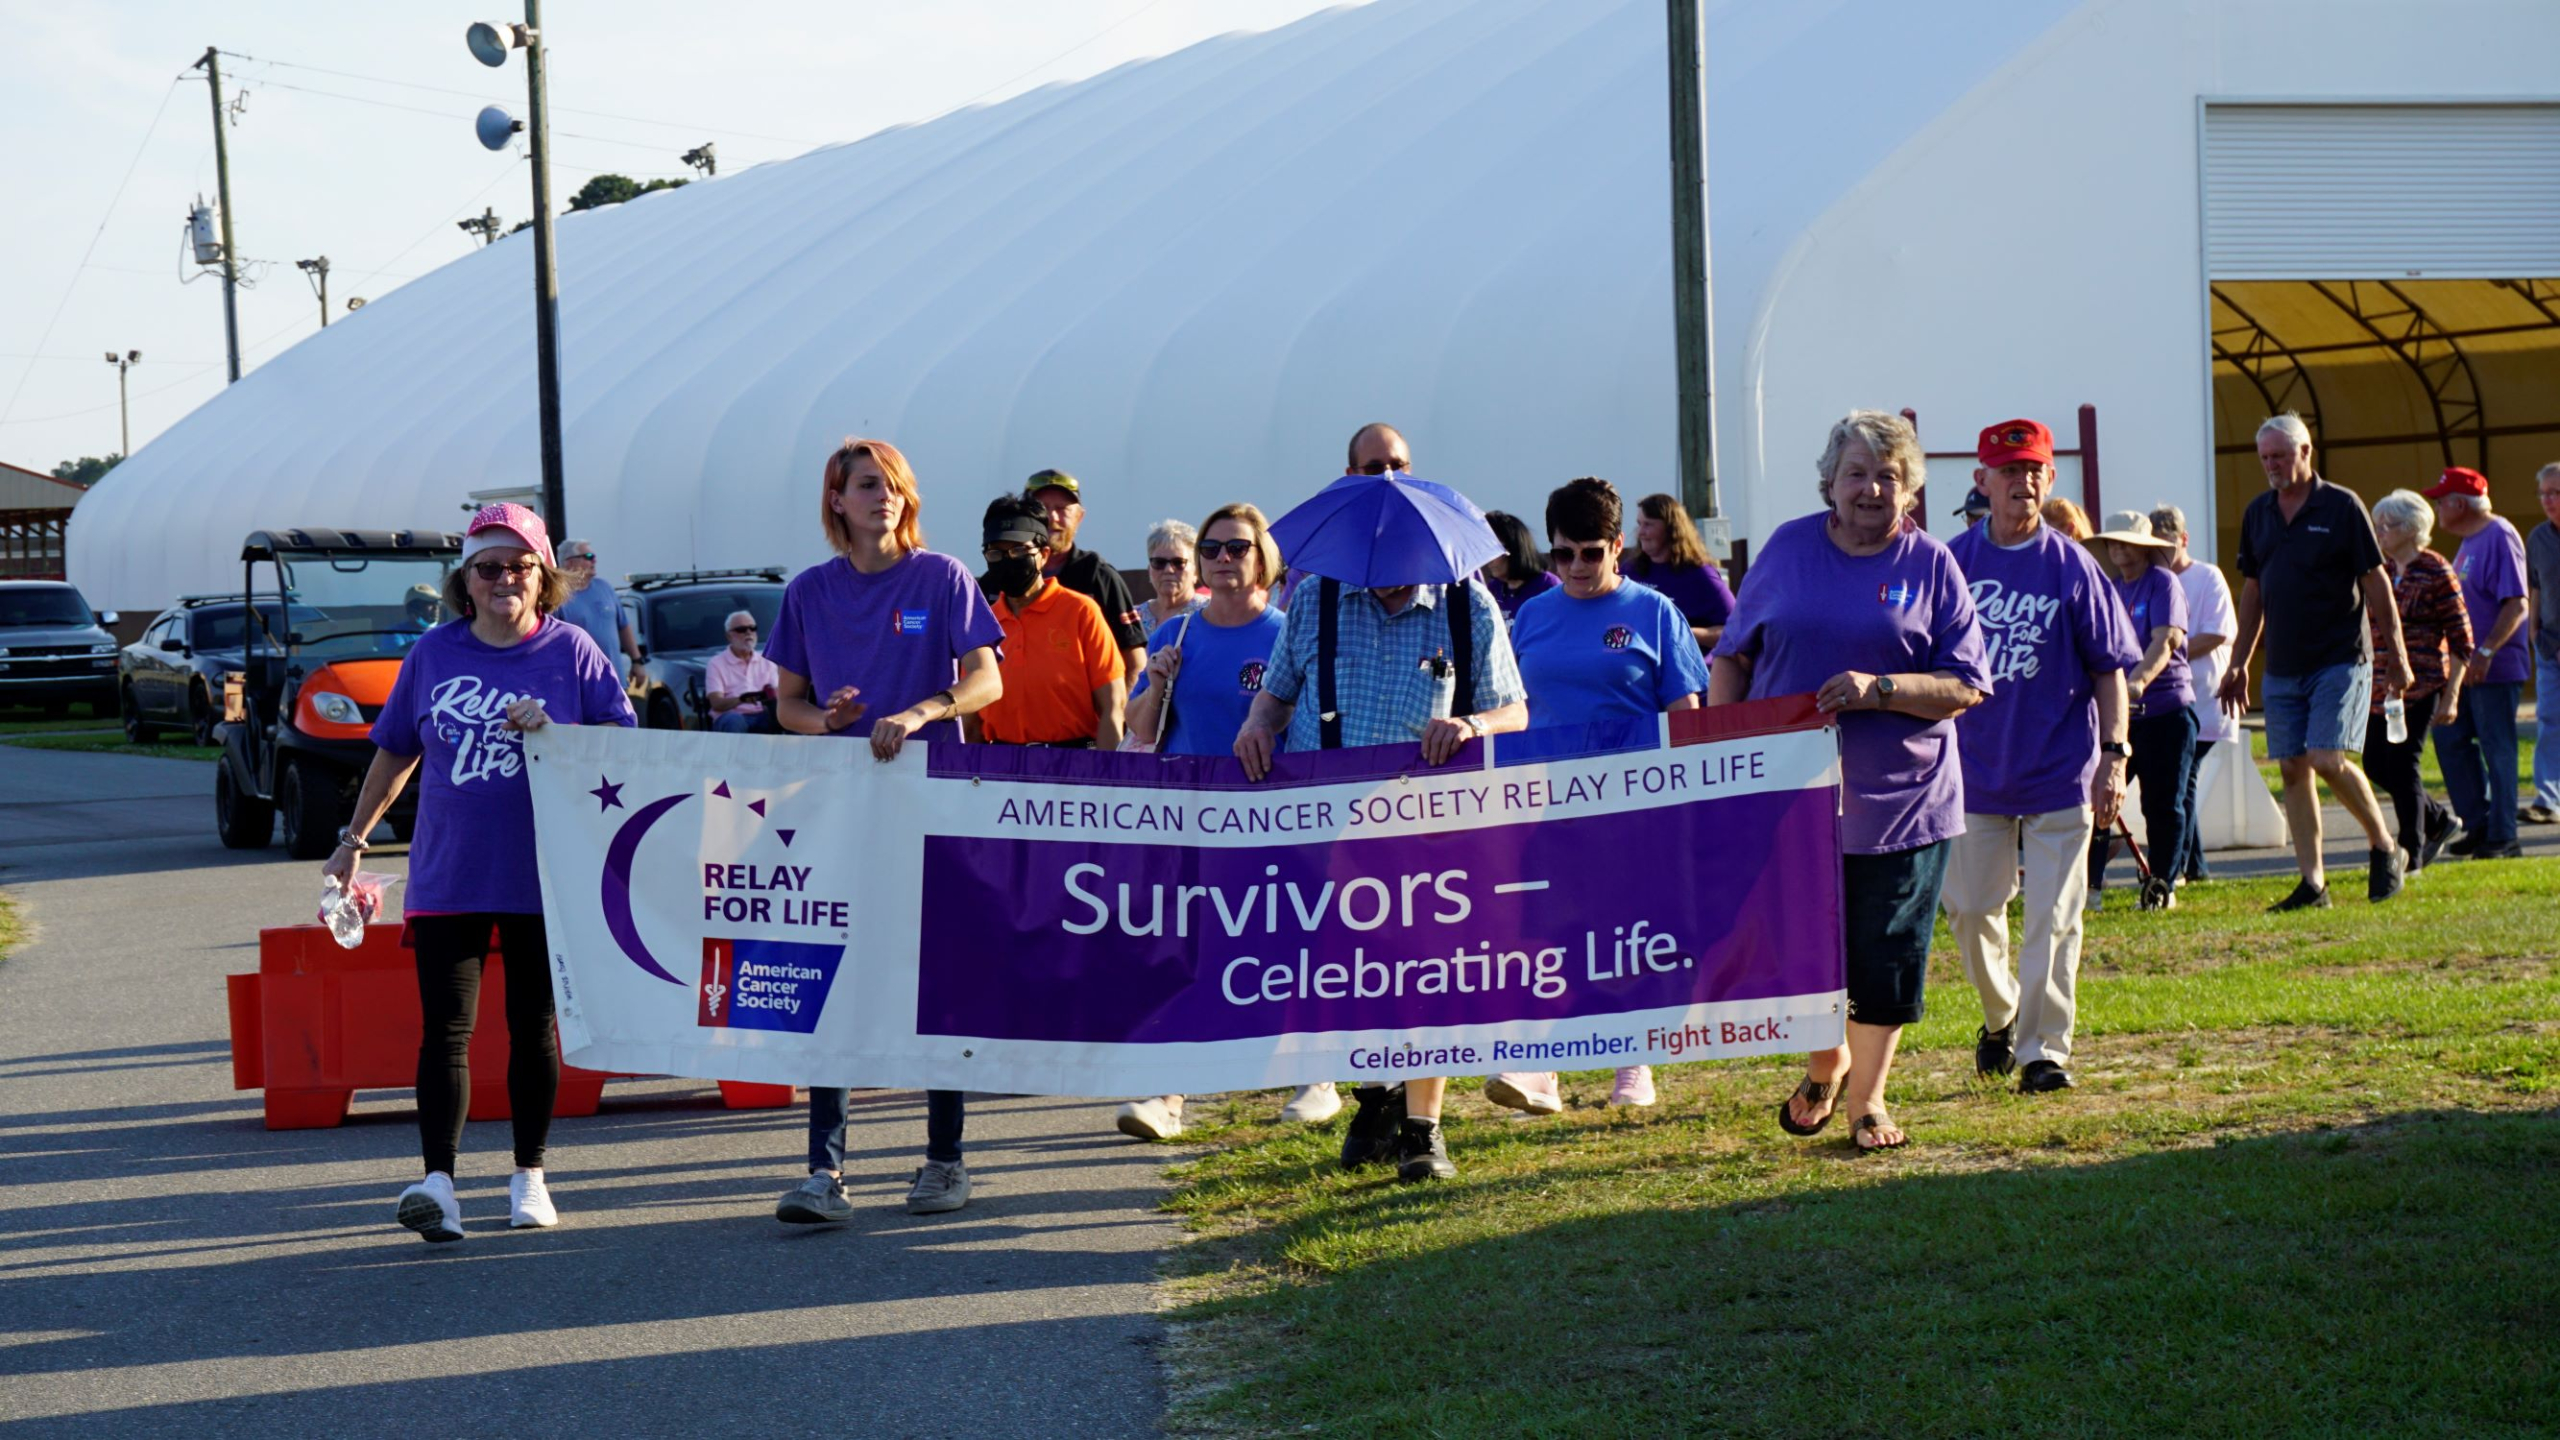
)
(490, 43)
(496, 127)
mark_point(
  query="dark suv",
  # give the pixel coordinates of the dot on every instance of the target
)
(54, 649)
(172, 677)
(682, 620)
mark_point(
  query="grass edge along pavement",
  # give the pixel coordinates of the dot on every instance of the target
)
(2309, 1184)
(13, 927)
(112, 742)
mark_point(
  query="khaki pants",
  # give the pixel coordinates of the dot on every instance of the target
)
(1982, 877)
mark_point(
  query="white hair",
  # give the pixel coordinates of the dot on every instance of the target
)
(2410, 511)
(1172, 532)
(734, 617)
(2289, 425)
(2546, 472)
(2476, 504)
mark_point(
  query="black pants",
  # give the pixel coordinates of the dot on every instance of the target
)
(451, 950)
(2393, 769)
(2164, 759)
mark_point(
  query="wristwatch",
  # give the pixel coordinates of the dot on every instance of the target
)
(1884, 692)
(2117, 748)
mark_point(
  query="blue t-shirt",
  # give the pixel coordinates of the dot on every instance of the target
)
(597, 611)
(1624, 654)
(1221, 673)
(473, 850)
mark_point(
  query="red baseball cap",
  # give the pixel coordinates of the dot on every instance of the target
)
(2014, 440)
(2457, 480)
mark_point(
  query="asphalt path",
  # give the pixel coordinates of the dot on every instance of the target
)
(167, 1261)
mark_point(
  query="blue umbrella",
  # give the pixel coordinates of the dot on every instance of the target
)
(1386, 530)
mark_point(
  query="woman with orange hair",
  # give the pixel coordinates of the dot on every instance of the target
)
(891, 631)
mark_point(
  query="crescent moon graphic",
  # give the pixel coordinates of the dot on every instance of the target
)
(617, 883)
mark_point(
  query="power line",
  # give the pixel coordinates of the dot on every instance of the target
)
(187, 378)
(1094, 39)
(94, 237)
(564, 109)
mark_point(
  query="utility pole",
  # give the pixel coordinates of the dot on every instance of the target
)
(211, 65)
(318, 270)
(485, 225)
(1692, 288)
(489, 45)
(124, 407)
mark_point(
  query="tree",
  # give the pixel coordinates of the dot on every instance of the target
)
(614, 189)
(86, 471)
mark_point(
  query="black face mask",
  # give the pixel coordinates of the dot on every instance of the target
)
(1013, 575)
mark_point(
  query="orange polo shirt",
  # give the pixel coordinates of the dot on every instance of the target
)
(1056, 653)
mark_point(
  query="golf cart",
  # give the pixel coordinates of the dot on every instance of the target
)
(331, 613)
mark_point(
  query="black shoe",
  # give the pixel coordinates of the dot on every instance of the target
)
(1421, 1152)
(2437, 835)
(2511, 850)
(2197, 876)
(1371, 1135)
(2466, 847)
(2305, 896)
(2389, 870)
(1995, 1052)
(2041, 1077)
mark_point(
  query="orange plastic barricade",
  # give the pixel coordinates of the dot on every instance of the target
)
(317, 1023)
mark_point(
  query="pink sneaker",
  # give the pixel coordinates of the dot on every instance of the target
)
(1528, 1093)
(1634, 1087)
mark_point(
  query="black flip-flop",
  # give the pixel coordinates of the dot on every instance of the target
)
(1872, 1121)
(1814, 1092)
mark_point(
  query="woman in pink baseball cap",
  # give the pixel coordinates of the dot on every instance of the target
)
(466, 694)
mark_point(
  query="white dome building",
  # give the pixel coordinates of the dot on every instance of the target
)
(1188, 280)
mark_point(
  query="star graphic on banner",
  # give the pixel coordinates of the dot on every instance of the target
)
(608, 795)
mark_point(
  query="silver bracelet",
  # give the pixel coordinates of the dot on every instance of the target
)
(347, 841)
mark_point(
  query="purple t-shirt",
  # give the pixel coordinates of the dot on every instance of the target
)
(2491, 565)
(1809, 610)
(896, 636)
(1511, 600)
(2155, 600)
(473, 848)
(2050, 620)
(1699, 590)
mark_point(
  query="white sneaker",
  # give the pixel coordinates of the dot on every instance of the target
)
(529, 1202)
(1634, 1087)
(429, 1208)
(1524, 1091)
(1313, 1104)
(1154, 1119)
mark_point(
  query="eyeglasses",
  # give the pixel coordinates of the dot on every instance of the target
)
(1590, 554)
(1381, 467)
(1167, 562)
(491, 571)
(742, 629)
(1232, 549)
(1006, 550)
(577, 559)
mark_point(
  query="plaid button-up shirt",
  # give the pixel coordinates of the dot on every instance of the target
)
(1385, 685)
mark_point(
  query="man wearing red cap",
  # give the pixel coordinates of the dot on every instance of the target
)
(2044, 757)
(2311, 573)
(2478, 750)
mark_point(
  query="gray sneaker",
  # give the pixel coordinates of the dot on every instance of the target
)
(819, 1201)
(941, 1185)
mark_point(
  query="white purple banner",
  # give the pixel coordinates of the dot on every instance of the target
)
(1077, 923)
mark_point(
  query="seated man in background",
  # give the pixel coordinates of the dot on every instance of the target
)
(738, 683)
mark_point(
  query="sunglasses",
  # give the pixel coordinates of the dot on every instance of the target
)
(1167, 562)
(577, 559)
(491, 571)
(1232, 549)
(1589, 554)
(742, 629)
(1381, 467)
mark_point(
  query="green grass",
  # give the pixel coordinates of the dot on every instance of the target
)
(12, 930)
(19, 719)
(112, 742)
(2309, 1184)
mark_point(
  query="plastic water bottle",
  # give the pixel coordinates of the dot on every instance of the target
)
(2395, 721)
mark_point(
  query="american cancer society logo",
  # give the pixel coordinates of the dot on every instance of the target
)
(764, 984)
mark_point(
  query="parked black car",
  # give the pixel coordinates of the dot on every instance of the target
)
(54, 649)
(172, 677)
(682, 621)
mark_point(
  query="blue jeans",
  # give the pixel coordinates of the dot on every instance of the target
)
(2191, 864)
(944, 1113)
(2478, 755)
(2546, 728)
(758, 722)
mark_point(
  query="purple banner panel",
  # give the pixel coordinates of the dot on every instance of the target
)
(1721, 899)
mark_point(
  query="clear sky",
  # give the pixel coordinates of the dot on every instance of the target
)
(107, 148)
